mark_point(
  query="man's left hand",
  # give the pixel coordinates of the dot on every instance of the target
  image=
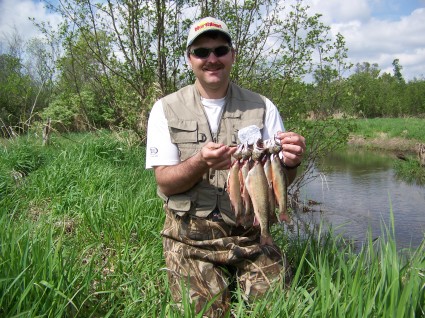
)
(293, 148)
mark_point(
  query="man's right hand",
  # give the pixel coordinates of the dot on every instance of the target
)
(183, 176)
(217, 156)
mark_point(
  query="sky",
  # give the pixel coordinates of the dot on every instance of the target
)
(379, 31)
(375, 31)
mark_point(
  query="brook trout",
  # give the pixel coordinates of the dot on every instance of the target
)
(269, 176)
(248, 217)
(234, 187)
(280, 188)
(256, 183)
(234, 191)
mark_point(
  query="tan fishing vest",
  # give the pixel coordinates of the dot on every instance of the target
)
(190, 131)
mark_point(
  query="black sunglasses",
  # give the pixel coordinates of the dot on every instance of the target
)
(203, 52)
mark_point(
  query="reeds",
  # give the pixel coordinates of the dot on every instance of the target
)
(80, 223)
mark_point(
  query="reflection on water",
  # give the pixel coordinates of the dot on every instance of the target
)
(358, 189)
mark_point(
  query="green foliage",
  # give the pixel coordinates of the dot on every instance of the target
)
(6, 181)
(294, 105)
(373, 95)
(111, 57)
(78, 111)
(25, 160)
(119, 57)
(415, 97)
(62, 110)
(80, 237)
(18, 159)
(336, 280)
(22, 157)
(129, 84)
(26, 73)
(79, 230)
(86, 96)
(15, 90)
(397, 70)
(410, 170)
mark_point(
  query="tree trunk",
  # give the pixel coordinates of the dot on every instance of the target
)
(46, 132)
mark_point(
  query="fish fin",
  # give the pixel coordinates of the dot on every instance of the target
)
(266, 240)
(283, 217)
(255, 223)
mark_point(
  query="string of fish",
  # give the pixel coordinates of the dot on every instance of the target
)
(257, 186)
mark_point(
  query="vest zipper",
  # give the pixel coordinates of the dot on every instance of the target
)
(214, 137)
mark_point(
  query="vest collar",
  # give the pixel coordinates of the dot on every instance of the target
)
(196, 84)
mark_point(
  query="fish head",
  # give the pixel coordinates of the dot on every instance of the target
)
(272, 145)
(275, 145)
(259, 150)
(239, 152)
(246, 151)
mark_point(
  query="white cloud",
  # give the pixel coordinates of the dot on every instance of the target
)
(335, 11)
(382, 41)
(378, 31)
(15, 14)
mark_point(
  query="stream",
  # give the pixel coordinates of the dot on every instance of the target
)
(357, 189)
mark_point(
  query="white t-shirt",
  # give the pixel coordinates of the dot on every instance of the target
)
(160, 151)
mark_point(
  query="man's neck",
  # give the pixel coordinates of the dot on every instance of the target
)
(210, 93)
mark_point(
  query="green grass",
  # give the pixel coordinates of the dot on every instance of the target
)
(80, 223)
(408, 128)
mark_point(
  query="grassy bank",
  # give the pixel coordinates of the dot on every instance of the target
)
(80, 237)
(397, 135)
(394, 134)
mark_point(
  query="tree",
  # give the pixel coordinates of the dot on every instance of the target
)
(27, 71)
(415, 97)
(15, 92)
(328, 76)
(86, 96)
(40, 66)
(143, 57)
(397, 70)
(275, 45)
(364, 90)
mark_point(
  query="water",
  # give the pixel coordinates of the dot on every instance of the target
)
(358, 189)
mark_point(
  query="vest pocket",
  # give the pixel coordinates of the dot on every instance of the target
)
(183, 131)
(180, 203)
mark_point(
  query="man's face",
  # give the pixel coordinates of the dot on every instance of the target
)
(213, 72)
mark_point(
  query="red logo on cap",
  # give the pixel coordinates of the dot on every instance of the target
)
(208, 24)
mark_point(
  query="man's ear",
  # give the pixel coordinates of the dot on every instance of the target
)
(189, 62)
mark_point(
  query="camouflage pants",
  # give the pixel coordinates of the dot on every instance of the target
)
(200, 255)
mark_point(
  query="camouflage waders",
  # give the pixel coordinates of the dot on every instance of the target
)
(201, 254)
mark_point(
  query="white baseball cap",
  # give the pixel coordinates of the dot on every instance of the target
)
(205, 25)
